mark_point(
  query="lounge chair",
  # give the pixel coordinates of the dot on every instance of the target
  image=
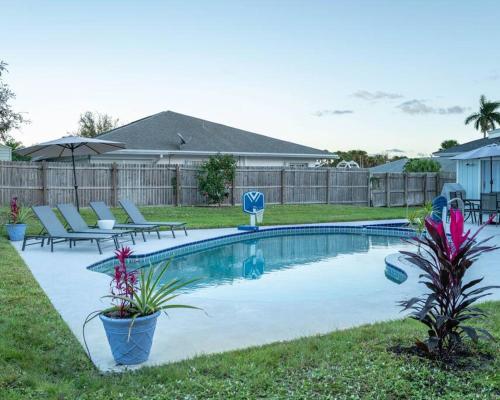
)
(78, 224)
(137, 218)
(103, 212)
(56, 233)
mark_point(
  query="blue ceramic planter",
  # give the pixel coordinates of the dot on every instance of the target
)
(16, 231)
(136, 348)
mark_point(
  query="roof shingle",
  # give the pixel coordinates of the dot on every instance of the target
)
(462, 148)
(160, 132)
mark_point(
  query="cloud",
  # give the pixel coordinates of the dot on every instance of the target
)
(419, 107)
(494, 76)
(378, 95)
(324, 113)
(395, 151)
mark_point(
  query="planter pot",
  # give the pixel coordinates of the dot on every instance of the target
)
(106, 223)
(16, 231)
(136, 348)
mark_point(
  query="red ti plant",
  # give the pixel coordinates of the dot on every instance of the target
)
(124, 283)
(14, 210)
(16, 213)
(448, 307)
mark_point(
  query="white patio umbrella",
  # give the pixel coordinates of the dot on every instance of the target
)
(486, 152)
(70, 146)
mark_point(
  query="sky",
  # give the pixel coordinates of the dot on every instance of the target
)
(337, 75)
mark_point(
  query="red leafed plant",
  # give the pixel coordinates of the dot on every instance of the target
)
(448, 307)
(17, 214)
(14, 210)
(124, 283)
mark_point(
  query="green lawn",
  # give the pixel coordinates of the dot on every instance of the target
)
(40, 358)
(217, 217)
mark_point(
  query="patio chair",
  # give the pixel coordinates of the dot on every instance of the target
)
(137, 218)
(103, 212)
(488, 205)
(56, 233)
(78, 224)
(468, 208)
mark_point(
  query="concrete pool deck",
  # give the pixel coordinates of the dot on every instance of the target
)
(226, 324)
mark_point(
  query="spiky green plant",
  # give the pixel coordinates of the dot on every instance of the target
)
(140, 298)
(152, 296)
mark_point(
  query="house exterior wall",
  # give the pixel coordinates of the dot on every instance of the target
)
(5, 153)
(485, 172)
(242, 161)
(469, 176)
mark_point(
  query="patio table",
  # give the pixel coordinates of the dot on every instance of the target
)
(471, 207)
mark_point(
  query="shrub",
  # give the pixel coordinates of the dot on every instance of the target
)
(416, 218)
(215, 177)
(447, 308)
(422, 165)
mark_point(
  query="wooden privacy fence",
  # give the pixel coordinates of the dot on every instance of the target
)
(149, 184)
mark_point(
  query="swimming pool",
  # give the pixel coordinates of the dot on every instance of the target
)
(281, 284)
(276, 259)
(251, 259)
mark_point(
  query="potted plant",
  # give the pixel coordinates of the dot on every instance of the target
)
(17, 216)
(137, 298)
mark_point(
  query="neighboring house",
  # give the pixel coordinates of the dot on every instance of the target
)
(173, 138)
(447, 165)
(5, 153)
(474, 175)
(493, 137)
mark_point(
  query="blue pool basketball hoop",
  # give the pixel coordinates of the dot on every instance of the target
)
(253, 204)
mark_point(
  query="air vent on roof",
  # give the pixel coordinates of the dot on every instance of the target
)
(183, 141)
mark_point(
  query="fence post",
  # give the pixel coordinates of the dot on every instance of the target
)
(437, 184)
(233, 189)
(369, 189)
(282, 188)
(178, 185)
(45, 189)
(388, 189)
(405, 177)
(425, 188)
(328, 171)
(114, 184)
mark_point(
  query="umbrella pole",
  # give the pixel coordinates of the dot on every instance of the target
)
(74, 179)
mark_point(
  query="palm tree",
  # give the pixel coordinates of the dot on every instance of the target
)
(487, 117)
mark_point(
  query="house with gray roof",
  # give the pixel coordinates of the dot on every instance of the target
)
(475, 174)
(173, 138)
(447, 165)
(493, 137)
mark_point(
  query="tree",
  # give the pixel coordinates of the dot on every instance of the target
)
(215, 177)
(363, 159)
(422, 165)
(448, 144)
(487, 117)
(92, 124)
(14, 145)
(9, 119)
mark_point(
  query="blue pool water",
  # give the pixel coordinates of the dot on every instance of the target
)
(281, 258)
(281, 284)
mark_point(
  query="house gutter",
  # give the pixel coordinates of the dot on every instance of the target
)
(447, 155)
(209, 153)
